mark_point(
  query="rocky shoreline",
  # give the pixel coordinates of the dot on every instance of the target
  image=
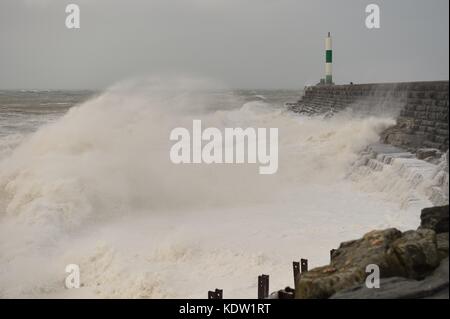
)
(412, 264)
(424, 247)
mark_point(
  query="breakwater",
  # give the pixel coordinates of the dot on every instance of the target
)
(420, 108)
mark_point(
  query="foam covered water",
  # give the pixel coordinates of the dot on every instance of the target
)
(96, 187)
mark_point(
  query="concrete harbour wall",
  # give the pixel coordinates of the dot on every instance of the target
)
(421, 109)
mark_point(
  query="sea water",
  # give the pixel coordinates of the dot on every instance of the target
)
(86, 179)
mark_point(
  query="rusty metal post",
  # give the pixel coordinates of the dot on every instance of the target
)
(303, 265)
(296, 268)
(219, 293)
(266, 291)
(263, 286)
(260, 287)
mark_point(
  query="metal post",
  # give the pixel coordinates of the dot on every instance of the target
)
(217, 294)
(266, 290)
(296, 268)
(263, 286)
(303, 265)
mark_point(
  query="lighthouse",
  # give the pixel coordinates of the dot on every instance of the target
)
(328, 60)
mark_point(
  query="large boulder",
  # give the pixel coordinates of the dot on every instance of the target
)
(417, 252)
(435, 218)
(412, 254)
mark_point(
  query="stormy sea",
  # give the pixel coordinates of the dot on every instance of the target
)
(86, 179)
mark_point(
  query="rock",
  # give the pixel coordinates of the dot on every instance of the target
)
(413, 254)
(418, 253)
(349, 263)
(435, 286)
(435, 218)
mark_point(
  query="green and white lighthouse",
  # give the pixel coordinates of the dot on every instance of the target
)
(328, 60)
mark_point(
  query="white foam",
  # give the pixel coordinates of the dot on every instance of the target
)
(97, 188)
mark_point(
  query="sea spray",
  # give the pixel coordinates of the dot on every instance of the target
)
(234, 146)
(96, 188)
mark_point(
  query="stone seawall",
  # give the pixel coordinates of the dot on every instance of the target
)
(421, 109)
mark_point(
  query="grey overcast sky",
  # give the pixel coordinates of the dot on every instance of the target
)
(242, 43)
